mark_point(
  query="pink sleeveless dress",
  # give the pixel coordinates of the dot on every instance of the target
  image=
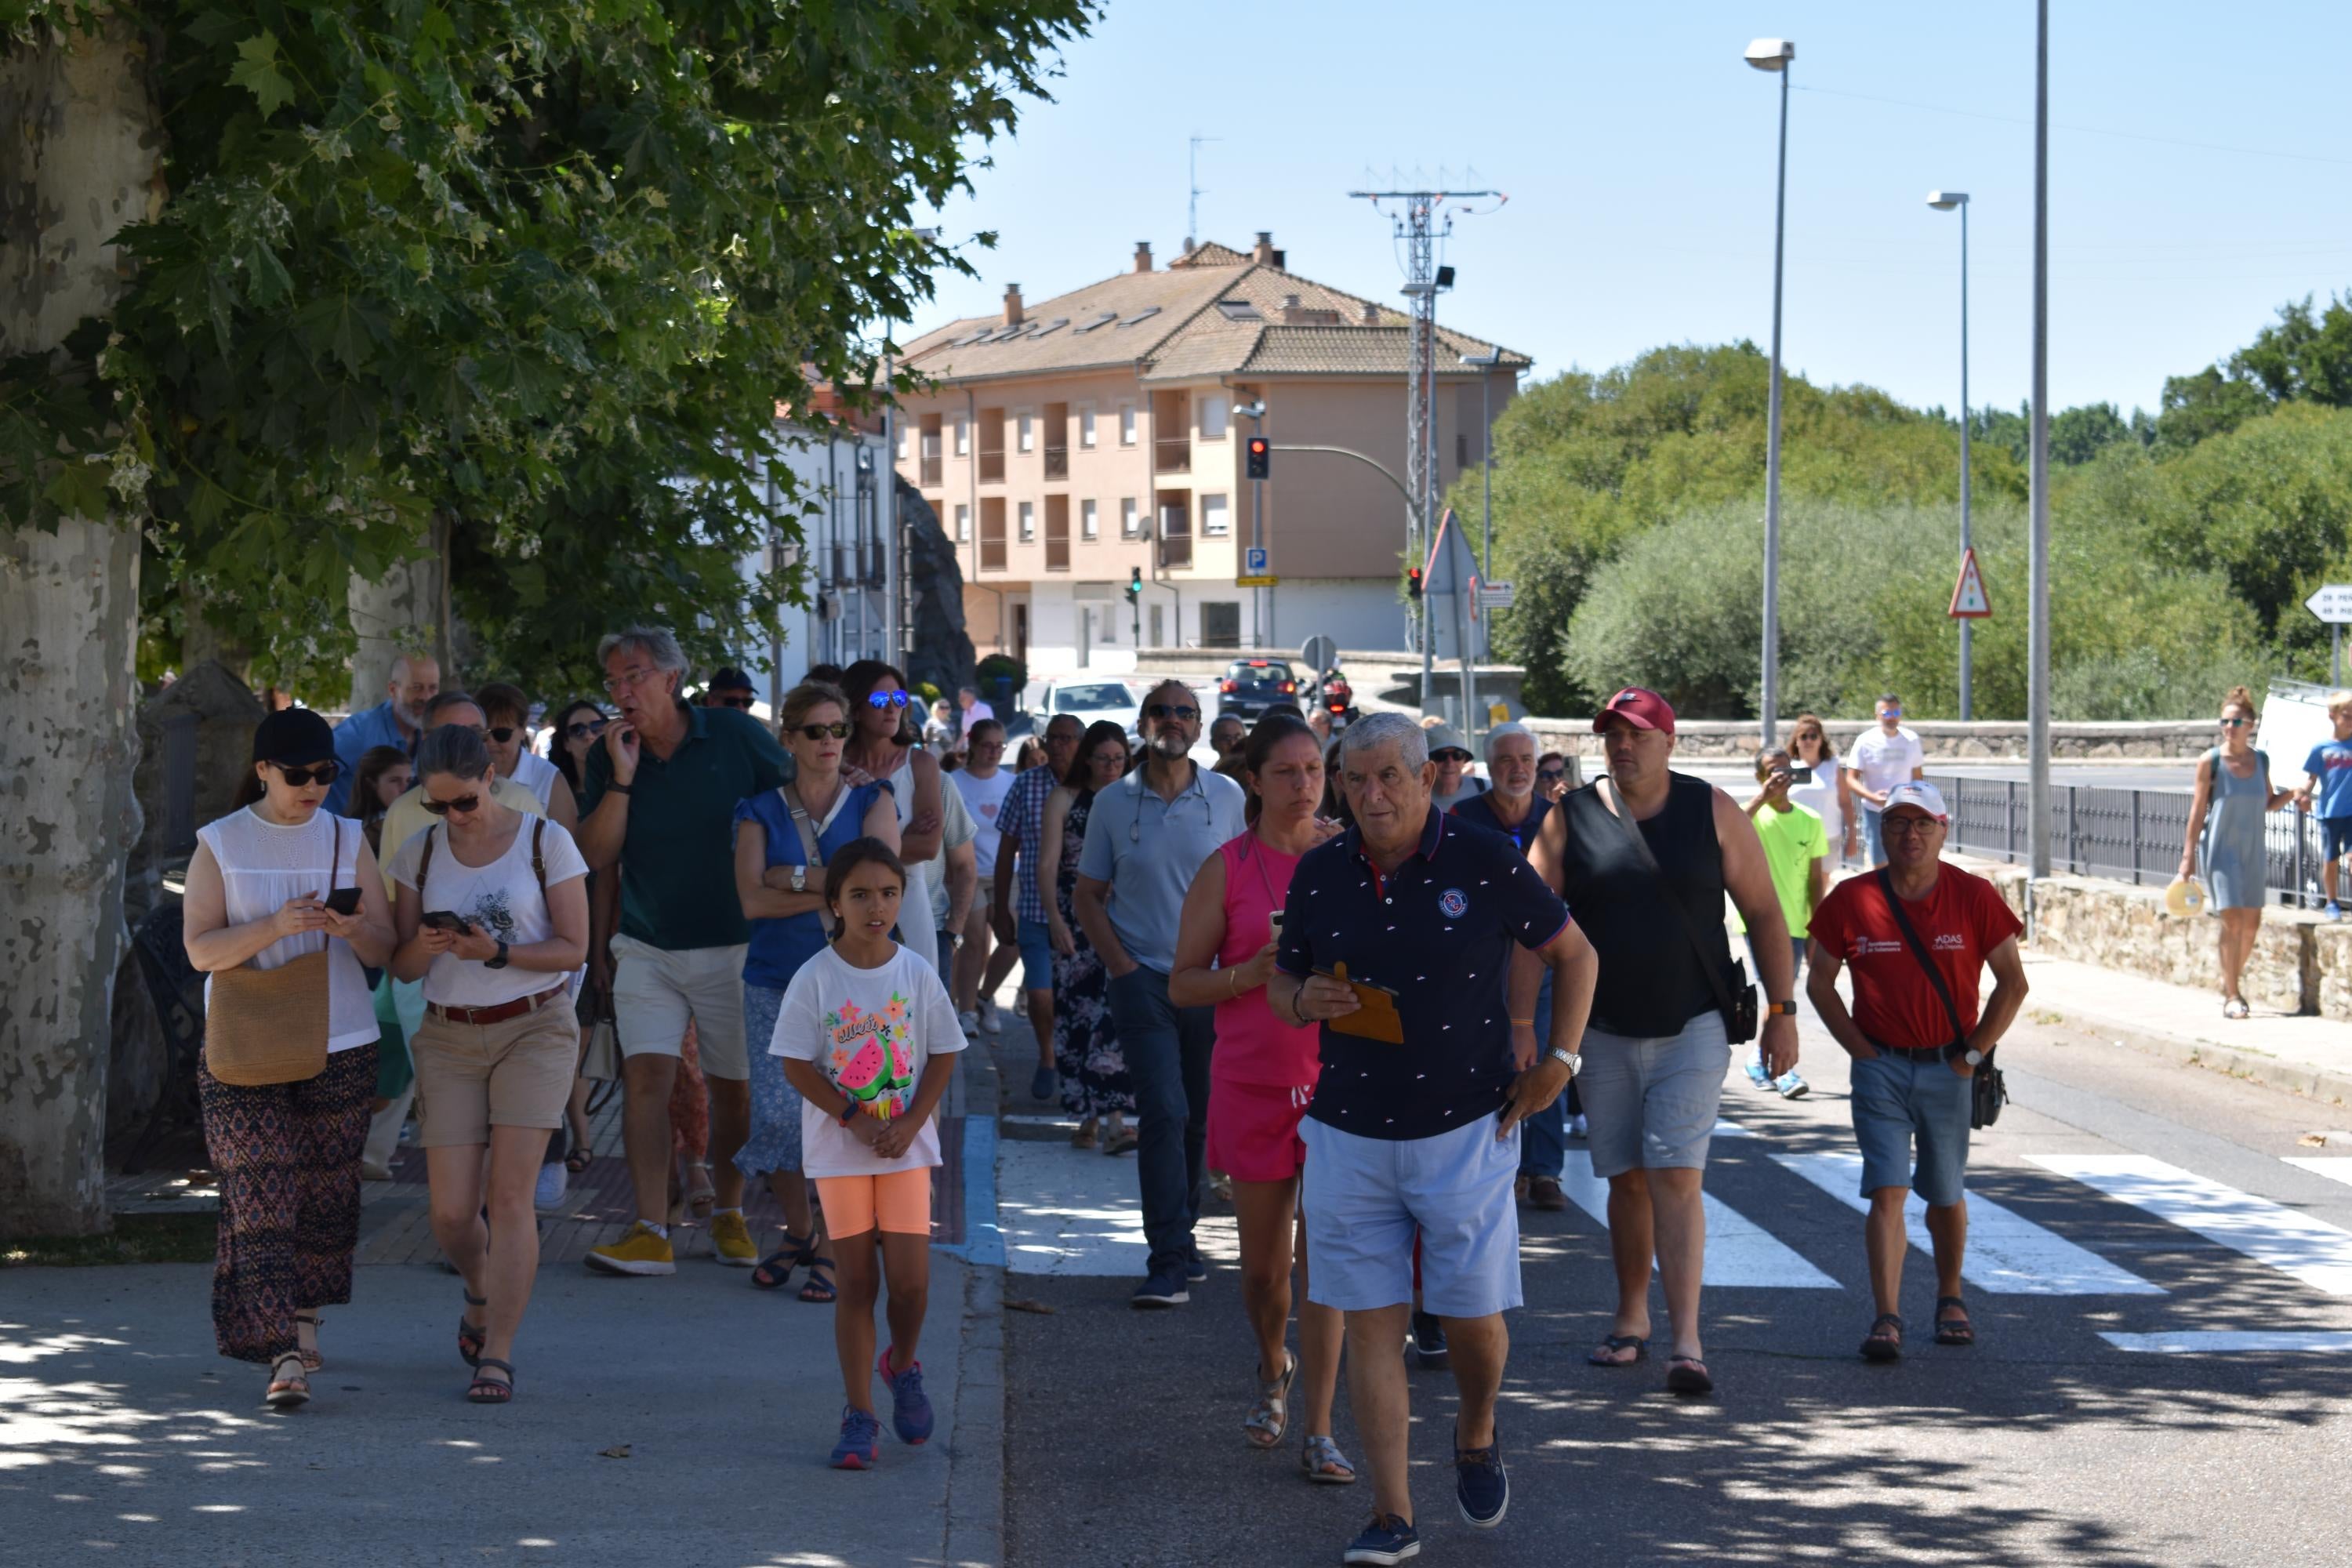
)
(1262, 1076)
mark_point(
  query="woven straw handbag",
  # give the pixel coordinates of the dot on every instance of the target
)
(270, 1026)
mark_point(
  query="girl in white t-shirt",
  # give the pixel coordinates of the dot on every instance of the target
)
(867, 1036)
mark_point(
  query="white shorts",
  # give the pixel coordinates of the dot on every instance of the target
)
(656, 992)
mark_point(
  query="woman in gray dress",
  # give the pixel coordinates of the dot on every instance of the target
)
(2225, 820)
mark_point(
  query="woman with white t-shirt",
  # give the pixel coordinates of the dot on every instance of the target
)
(506, 713)
(492, 912)
(1830, 793)
(260, 895)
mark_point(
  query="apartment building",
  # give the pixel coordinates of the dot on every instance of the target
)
(1070, 443)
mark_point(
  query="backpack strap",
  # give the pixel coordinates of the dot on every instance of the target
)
(537, 861)
(425, 861)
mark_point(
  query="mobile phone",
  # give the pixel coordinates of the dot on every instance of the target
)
(1274, 919)
(344, 900)
(442, 919)
(1800, 775)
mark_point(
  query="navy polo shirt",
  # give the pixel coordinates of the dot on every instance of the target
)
(1437, 932)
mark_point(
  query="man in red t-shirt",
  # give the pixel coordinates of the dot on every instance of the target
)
(1911, 1058)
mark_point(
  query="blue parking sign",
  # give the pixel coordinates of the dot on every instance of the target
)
(1255, 556)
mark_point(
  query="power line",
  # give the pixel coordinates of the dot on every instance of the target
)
(2086, 129)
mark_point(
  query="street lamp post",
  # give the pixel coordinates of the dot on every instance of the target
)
(1945, 201)
(2037, 668)
(1486, 362)
(1774, 55)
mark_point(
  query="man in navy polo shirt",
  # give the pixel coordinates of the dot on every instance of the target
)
(1423, 1135)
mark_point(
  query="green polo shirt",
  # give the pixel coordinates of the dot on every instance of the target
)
(677, 864)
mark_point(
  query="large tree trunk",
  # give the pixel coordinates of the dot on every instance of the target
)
(406, 611)
(79, 159)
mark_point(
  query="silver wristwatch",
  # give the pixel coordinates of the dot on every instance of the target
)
(1973, 1056)
(1575, 1063)
(800, 879)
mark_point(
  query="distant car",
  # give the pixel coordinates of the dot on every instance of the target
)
(1087, 701)
(1251, 686)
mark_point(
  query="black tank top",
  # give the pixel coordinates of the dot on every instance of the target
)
(1650, 984)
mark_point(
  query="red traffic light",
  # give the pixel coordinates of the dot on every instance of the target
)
(1261, 456)
(1413, 581)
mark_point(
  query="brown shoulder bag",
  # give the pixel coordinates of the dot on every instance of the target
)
(270, 1026)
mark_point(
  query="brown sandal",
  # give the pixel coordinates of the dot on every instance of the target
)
(287, 1392)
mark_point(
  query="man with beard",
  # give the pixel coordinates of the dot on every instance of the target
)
(397, 720)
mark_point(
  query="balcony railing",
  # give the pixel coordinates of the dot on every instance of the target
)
(1057, 462)
(1057, 554)
(991, 554)
(991, 464)
(931, 468)
(1176, 552)
(1171, 455)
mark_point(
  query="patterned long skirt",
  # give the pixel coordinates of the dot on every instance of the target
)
(689, 1102)
(288, 1159)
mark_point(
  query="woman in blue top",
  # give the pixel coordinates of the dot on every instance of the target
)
(2226, 819)
(782, 885)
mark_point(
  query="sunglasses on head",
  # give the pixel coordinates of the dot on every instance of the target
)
(741, 704)
(1171, 711)
(463, 804)
(320, 772)
(880, 700)
(838, 729)
(585, 729)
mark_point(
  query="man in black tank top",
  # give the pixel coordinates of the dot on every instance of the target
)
(1644, 859)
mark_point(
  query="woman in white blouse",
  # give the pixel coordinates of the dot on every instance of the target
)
(287, 1155)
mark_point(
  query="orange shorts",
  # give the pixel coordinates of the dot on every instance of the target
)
(897, 1201)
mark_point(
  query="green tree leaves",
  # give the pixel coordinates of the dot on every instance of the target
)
(256, 72)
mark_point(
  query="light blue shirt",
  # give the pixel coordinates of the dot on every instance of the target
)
(1150, 849)
(354, 738)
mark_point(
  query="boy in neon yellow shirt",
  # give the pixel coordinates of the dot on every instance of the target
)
(1796, 847)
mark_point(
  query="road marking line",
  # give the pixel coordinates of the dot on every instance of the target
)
(2296, 1244)
(1738, 1251)
(2334, 1167)
(2221, 1341)
(2009, 1255)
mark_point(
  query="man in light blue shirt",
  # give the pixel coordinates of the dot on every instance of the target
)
(1147, 837)
(397, 720)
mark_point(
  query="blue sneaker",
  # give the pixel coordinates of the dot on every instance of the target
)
(911, 1407)
(1480, 1484)
(1195, 1269)
(859, 1429)
(1757, 1075)
(1163, 1288)
(2333, 911)
(1791, 1086)
(1386, 1539)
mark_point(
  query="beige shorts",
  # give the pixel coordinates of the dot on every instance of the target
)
(516, 1072)
(654, 992)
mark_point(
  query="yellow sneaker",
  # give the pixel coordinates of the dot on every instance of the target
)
(644, 1251)
(730, 1238)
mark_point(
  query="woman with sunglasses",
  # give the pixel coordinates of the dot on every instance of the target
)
(2225, 826)
(1095, 1082)
(577, 729)
(880, 748)
(260, 894)
(782, 888)
(508, 712)
(1830, 793)
(492, 911)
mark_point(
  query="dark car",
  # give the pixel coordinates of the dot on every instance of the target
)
(1251, 686)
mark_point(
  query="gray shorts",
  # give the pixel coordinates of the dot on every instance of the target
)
(1366, 1200)
(1902, 1101)
(1651, 1104)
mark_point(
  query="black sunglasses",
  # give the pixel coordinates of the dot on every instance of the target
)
(1449, 755)
(463, 804)
(505, 732)
(322, 772)
(1551, 773)
(1171, 711)
(885, 700)
(741, 704)
(585, 729)
(838, 729)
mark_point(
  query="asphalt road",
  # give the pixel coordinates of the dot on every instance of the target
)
(2046, 1442)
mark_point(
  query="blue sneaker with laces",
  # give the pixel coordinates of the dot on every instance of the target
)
(911, 1407)
(860, 1430)
(1386, 1539)
(1757, 1075)
(1480, 1483)
(1791, 1086)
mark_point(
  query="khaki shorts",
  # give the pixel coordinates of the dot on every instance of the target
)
(516, 1072)
(654, 992)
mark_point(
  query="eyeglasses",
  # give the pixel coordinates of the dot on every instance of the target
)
(2226, 724)
(877, 700)
(838, 729)
(627, 678)
(1171, 711)
(322, 773)
(585, 729)
(463, 804)
(1901, 826)
(740, 704)
(505, 732)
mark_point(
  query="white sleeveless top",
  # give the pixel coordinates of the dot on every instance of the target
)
(916, 932)
(1821, 797)
(536, 775)
(263, 864)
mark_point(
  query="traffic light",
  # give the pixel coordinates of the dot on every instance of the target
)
(1412, 583)
(1135, 584)
(1261, 456)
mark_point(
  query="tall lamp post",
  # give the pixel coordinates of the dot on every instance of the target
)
(1774, 55)
(1945, 201)
(1486, 362)
(2037, 664)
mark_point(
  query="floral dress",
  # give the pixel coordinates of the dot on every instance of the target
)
(1086, 1048)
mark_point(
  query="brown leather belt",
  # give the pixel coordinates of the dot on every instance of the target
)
(498, 1015)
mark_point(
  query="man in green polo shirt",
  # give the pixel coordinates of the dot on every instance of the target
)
(1796, 847)
(659, 803)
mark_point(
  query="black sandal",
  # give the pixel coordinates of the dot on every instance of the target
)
(1879, 1345)
(775, 1270)
(819, 1292)
(579, 1160)
(490, 1390)
(471, 1336)
(1688, 1375)
(311, 1360)
(1603, 1355)
(1954, 1330)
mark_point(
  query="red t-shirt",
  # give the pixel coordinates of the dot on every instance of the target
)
(1961, 920)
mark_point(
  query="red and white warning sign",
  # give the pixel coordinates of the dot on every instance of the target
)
(1969, 601)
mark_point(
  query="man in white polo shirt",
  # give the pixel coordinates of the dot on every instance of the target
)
(1881, 759)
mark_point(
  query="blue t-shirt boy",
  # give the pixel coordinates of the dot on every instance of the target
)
(2330, 764)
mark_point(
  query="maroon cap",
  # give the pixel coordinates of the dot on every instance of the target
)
(1639, 707)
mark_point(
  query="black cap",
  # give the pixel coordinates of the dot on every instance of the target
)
(294, 736)
(730, 678)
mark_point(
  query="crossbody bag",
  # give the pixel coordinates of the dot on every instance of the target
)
(1735, 998)
(266, 1026)
(1988, 1089)
(805, 826)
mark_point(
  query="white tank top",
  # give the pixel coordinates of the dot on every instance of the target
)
(1820, 797)
(536, 775)
(916, 932)
(262, 865)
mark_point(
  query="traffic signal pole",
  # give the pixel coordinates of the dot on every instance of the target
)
(1262, 609)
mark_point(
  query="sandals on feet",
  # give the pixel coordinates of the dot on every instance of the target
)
(2235, 1007)
(819, 1291)
(1886, 1338)
(775, 1270)
(701, 1196)
(1321, 1461)
(1271, 1416)
(471, 1336)
(287, 1392)
(1084, 1138)
(1954, 1330)
(1605, 1354)
(488, 1390)
(579, 1160)
(1688, 1375)
(1122, 1142)
(311, 1360)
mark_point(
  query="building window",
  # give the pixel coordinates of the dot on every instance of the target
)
(962, 437)
(963, 520)
(1126, 424)
(1026, 434)
(1213, 519)
(1088, 525)
(902, 440)
(1127, 517)
(1216, 416)
(1086, 428)
(1028, 521)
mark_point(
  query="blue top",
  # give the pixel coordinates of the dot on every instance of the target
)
(1480, 809)
(2331, 761)
(1149, 850)
(779, 947)
(354, 738)
(1437, 932)
(1023, 821)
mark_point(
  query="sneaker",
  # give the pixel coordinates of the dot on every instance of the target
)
(1045, 1084)
(730, 1238)
(911, 1407)
(1428, 1342)
(1163, 1288)
(971, 1022)
(2333, 911)
(1480, 1484)
(1543, 1193)
(989, 1022)
(644, 1251)
(1578, 1127)
(1195, 1269)
(1757, 1076)
(1791, 1086)
(859, 1431)
(1386, 1539)
(552, 1180)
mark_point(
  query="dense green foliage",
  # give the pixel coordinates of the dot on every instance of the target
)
(546, 270)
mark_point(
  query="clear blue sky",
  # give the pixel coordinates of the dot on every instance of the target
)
(1637, 150)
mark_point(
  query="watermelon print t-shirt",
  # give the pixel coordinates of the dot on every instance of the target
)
(871, 1031)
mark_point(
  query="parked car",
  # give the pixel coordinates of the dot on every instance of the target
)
(1087, 701)
(1251, 686)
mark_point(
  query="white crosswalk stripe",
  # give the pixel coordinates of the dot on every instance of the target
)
(2334, 1167)
(2296, 1244)
(2222, 1342)
(1738, 1251)
(2007, 1254)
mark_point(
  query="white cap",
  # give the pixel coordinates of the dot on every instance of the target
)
(1918, 792)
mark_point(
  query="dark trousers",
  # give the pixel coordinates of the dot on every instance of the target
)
(1543, 1137)
(1167, 1050)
